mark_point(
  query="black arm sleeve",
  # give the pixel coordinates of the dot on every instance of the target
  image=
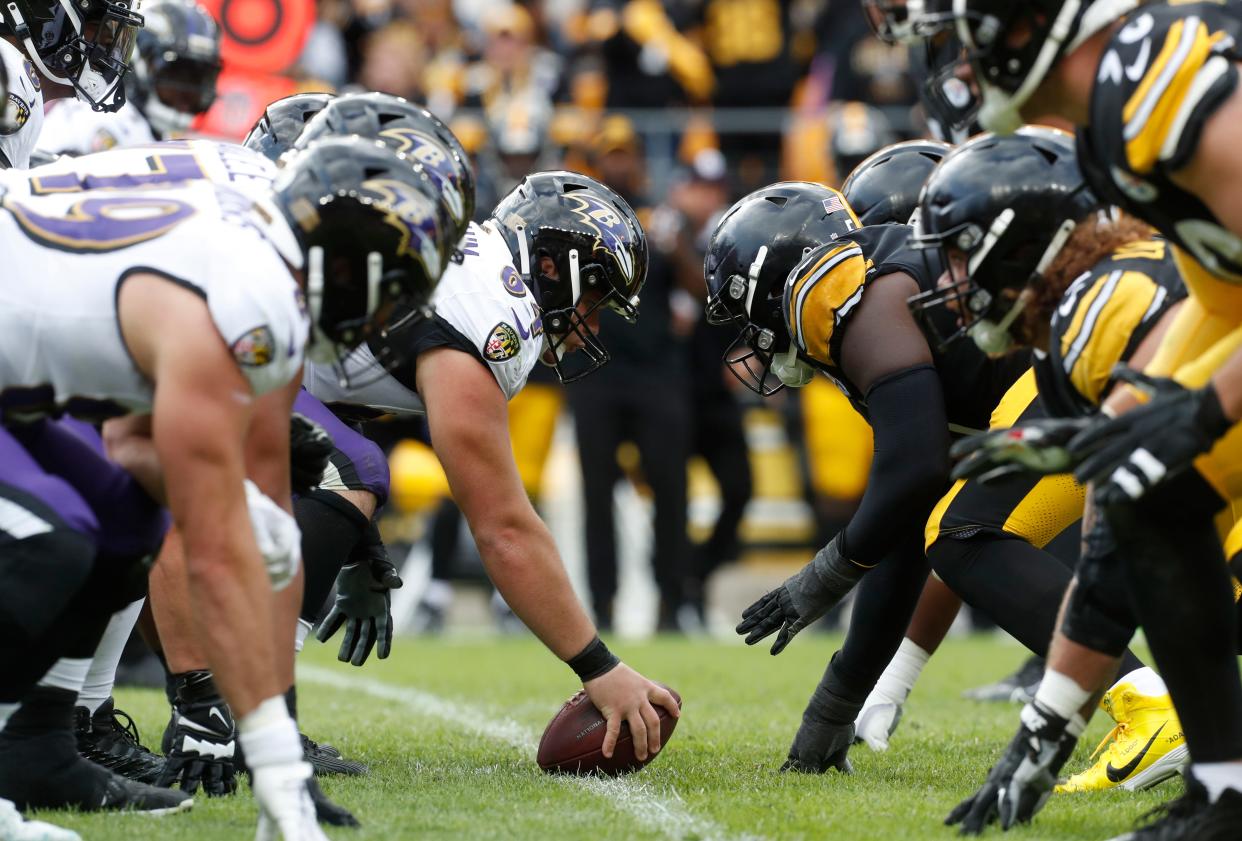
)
(910, 468)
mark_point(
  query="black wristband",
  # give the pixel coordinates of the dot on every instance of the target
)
(1211, 415)
(593, 661)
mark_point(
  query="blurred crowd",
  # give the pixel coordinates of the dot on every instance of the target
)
(681, 106)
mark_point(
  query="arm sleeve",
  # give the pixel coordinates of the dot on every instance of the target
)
(910, 468)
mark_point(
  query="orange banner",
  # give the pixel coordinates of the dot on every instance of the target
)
(263, 36)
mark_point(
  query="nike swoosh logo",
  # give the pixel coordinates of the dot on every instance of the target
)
(1116, 775)
(225, 724)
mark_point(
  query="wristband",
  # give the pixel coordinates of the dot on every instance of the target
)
(593, 661)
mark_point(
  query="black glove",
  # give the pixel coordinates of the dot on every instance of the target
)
(201, 739)
(1019, 784)
(819, 745)
(804, 597)
(310, 445)
(1126, 456)
(1037, 446)
(364, 605)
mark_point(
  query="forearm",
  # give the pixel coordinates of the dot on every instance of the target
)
(911, 465)
(1228, 384)
(128, 442)
(231, 600)
(523, 562)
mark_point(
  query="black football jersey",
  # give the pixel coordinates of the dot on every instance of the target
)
(1163, 75)
(830, 284)
(1101, 320)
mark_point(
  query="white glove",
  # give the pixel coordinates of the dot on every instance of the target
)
(285, 807)
(876, 722)
(277, 534)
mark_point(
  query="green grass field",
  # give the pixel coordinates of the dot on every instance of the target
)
(449, 729)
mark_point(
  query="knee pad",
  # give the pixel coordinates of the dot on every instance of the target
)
(1098, 614)
(118, 580)
(40, 575)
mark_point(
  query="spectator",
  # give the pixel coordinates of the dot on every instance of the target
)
(641, 396)
(394, 59)
(697, 201)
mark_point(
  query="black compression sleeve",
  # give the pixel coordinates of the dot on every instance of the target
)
(910, 468)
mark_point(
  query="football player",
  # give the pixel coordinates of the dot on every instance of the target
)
(173, 80)
(529, 285)
(336, 517)
(815, 292)
(80, 49)
(219, 391)
(1094, 289)
(1154, 93)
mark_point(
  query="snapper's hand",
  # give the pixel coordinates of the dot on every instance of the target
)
(622, 694)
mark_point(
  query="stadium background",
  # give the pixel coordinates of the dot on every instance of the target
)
(683, 106)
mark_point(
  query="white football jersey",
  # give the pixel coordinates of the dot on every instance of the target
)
(72, 127)
(155, 165)
(68, 254)
(484, 301)
(24, 107)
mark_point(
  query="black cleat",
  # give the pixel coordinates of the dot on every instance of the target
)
(1017, 688)
(106, 740)
(1169, 820)
(44, 771)
(326, 759)
(327, 812)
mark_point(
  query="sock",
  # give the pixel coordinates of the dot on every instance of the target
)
(300, 634)
(1218, 776)
(1061, 694)
(268, 735)
(68, 673)
(1145, 680)
(902, 672)
(102, 673)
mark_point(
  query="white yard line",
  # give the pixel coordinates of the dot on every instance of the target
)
(656, 810)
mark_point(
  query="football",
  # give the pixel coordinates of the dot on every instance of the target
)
(573, 741)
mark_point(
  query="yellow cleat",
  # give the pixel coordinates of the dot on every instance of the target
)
(1144, 749)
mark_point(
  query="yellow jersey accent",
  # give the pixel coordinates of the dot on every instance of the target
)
(824, 295)
(1120, 305)
(1151, 111)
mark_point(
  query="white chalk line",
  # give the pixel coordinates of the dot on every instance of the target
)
(662, 812)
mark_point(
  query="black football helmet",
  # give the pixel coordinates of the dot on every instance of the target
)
(173, 79)
(597, 245)
(1008, 72)
(950, 101)
(1002, 207)
(86, 44)
(756, 244)
(857, 131)
(408, 128)
(369, 226)
(886, 186)
(275, 132)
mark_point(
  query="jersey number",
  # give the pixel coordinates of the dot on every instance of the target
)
(108, 223)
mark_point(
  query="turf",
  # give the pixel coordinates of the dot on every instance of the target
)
(435, 776)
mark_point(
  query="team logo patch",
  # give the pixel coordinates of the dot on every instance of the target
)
(503, 343)
(1135, 188)
(17, 113)
(512, 282)
(256, 348)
